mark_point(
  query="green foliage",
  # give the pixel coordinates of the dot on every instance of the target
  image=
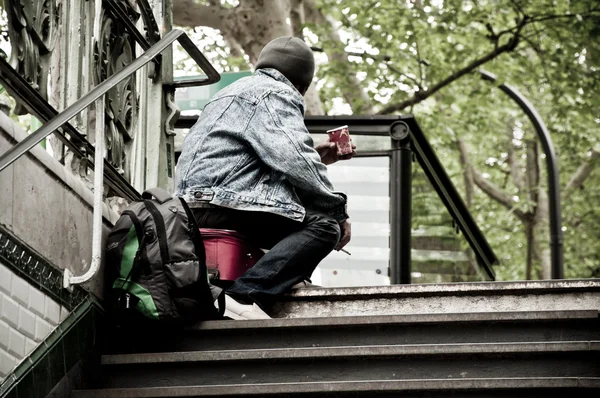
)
(404, 48)
(214, 48)
(417, 44)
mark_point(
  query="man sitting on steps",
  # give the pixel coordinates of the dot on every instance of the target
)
(249, 165)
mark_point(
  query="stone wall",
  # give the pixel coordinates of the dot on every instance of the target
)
(48, 207)
(46, 226)
(27, 316)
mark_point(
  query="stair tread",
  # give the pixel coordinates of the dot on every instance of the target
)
(397, 319)
(548, 295)
(346, 386)
(351, 352)
(446, 289)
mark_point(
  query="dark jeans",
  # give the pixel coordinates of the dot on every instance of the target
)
(296, 248)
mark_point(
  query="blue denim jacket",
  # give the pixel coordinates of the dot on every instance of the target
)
(250, 150)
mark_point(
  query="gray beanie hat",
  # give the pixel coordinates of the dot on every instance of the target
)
(290, 56)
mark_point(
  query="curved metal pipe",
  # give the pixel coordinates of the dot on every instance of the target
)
(69, 279)
(556, 239)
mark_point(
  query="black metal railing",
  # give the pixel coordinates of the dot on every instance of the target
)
(407, 140)
(556, 237)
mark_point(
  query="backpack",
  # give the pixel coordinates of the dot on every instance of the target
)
(156, 263)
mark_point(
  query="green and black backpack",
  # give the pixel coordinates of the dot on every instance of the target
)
(156, 264)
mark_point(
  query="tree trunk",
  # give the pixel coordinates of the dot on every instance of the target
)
(352, 89)
(252, 27)
(253, 23)
(541, 234)
(467, 171)
(530, 243)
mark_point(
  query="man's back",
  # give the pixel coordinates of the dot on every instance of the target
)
(250, 150)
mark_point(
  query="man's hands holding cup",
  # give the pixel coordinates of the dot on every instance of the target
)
(329, 153)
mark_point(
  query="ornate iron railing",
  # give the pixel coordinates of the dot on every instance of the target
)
(97, 94)
(33, 27)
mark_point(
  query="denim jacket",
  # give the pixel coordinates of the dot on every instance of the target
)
(250, 150)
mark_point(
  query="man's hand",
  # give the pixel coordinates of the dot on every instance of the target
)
(328, 153)
(346, 234)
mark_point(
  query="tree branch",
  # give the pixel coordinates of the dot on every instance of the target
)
(384, 59)
(393, 69)
(420, 63)
(422, 95)
(577, 179)
(492, 190)
(544, 18)
(518, 7)
(364, 55)
(189, 13)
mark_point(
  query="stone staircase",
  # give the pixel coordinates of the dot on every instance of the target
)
(527, 352)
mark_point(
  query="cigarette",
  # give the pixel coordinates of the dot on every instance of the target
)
(346, 251)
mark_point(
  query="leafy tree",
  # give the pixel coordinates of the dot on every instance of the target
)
(422, 56)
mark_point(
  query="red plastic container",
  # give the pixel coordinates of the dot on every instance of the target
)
(229, 252)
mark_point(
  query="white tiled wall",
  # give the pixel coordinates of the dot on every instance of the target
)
(27, 316)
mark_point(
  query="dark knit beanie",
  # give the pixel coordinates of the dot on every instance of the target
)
(290, 56)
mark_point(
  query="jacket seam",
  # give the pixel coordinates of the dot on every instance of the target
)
(184, 177)
(294, 144)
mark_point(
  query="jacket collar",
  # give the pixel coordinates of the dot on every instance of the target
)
(275, 74)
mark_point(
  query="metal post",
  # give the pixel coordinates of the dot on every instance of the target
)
(556, 238)
(68, 278)
(400, 203)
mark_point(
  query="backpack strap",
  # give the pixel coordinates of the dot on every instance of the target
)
(196, 235)
(221, 304)
(217, 293)
(159, 194)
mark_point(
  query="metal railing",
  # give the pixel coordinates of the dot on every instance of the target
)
(96, 94)
(407, 140)
(556, 237)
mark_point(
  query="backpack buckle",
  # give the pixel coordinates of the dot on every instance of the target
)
(126, 301)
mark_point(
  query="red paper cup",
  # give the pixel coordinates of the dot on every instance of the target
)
(341, 137)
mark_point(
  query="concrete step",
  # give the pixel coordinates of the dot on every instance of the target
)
(464, 387)
(353, 363)
(491, 327)
(551, 295)
(411, 340)
(353, 352)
